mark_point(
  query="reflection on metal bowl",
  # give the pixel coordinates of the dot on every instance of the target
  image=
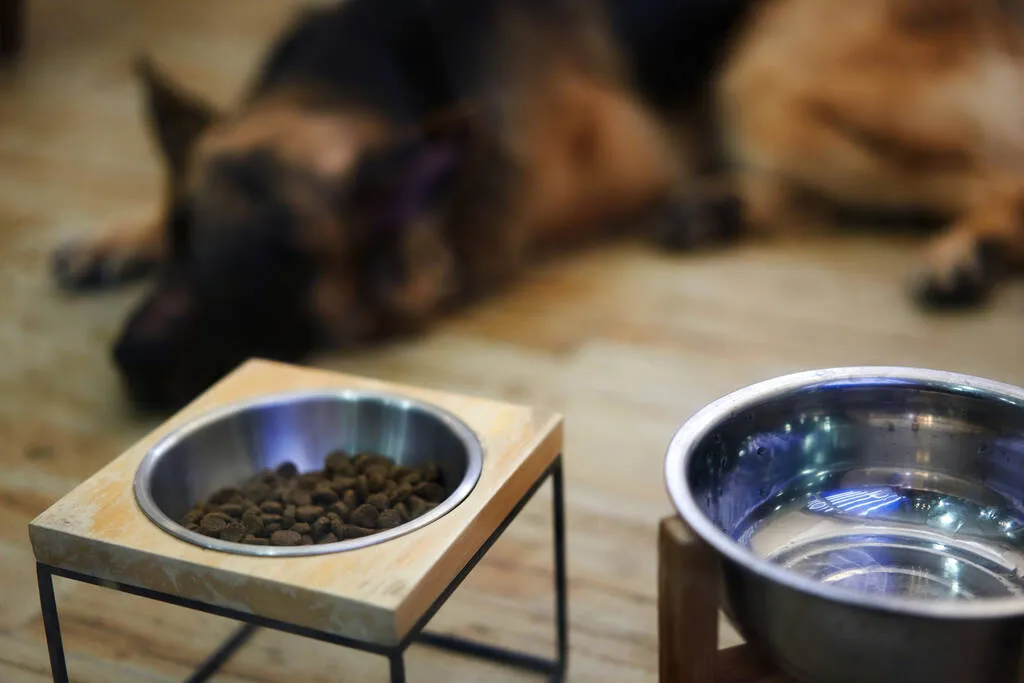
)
(869, 521)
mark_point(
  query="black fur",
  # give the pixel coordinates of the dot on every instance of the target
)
(406, 59)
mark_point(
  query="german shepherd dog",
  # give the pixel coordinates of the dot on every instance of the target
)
(395, 159)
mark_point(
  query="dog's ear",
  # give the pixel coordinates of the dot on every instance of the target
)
(399, 184)
(1014, 9)
(175, 116)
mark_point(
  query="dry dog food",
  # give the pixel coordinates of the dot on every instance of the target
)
(351, 497)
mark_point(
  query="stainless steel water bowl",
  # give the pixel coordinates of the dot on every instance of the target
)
(226, 446)
(869, 522)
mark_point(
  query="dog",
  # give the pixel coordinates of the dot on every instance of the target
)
(394, 160)
(890, 105)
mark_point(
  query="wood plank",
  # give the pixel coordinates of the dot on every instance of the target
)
(688, 580)
(687, 607)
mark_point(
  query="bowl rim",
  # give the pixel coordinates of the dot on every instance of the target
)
(144, 473)
(682, 447)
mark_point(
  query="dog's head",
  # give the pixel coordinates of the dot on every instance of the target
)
(290, 225)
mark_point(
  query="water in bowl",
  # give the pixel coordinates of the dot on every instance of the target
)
(892, 540)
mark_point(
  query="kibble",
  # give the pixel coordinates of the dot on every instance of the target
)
(418, 506)
(365, 516)
(309, 513)
(375, 482)
(351, 497)
(232, 509)
(362, 487)
(234, 532)
(253, 523)
(379, 501)
(192, 517)
(353, 531)
(272, 507)
(212, 526)
(257, 491)
(287, 470)
(288, 518)
(285, 537)
(338, 462)
(225, 495)
(218, 515)
(400, 494)
(403, 512)
(429, 491)
(389, 519)
(300, 497)
(320, 527)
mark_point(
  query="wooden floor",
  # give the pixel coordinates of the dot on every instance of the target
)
(625, 342)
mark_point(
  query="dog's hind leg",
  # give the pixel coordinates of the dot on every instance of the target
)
(702, 213)
(703, 207)
(112, 257)
(965, 262)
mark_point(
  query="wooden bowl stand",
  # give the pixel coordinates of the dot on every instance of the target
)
(376, 599)
(688, 617)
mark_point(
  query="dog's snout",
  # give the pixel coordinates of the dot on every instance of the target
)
(147, 352)
(144, 371)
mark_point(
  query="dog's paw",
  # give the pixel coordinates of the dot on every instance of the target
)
(960, 274)
(99, 264)
(696, 222)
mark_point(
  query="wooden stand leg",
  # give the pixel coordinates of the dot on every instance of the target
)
(688, 616)
(687, 606)
(12, 28)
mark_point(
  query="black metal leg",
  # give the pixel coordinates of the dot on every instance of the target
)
(219, 658)
(397, 662)
(51, 624)
(491, 653)
(554, 669)
(561, 588)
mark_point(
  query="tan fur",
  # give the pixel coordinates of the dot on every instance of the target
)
(882, 103)
(119, 248)
(590, 153)
(326, 142)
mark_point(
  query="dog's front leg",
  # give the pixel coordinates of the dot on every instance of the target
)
(702, 207)
(122, 253)
(701, 213)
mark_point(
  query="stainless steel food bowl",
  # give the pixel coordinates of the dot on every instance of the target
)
(869, 521)
(226, 446)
